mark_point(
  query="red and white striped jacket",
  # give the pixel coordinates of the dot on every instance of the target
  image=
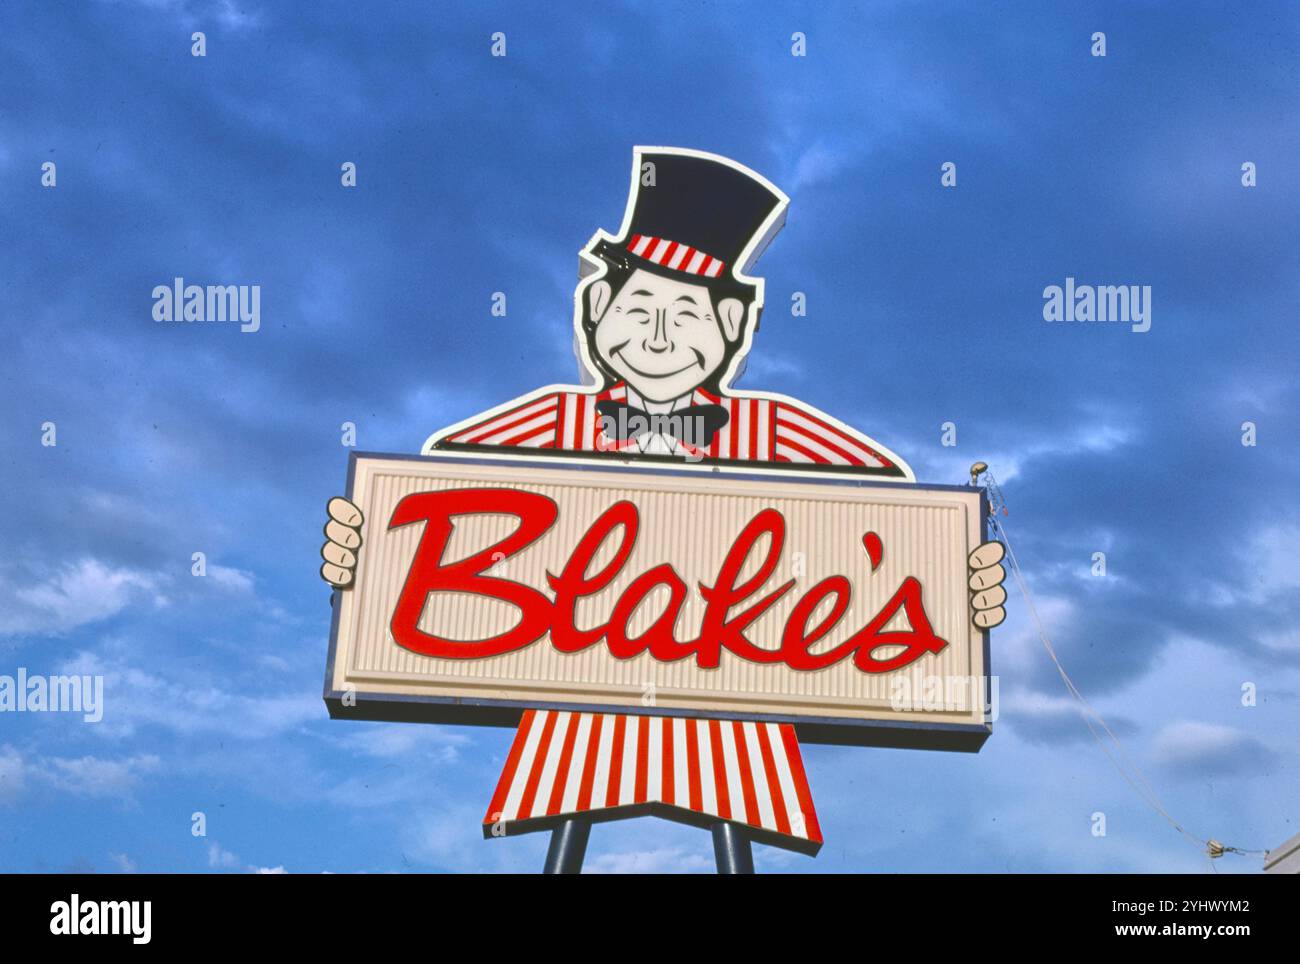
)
(759, 429)
(607, 765)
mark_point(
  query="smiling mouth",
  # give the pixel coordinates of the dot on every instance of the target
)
(619, 352)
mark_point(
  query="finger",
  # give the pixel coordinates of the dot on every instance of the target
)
(345, 536)
(347, 559)
(986, 555)
(987, 578)
(988, 599)
(341, 510)
(989, 618)
(336, 576)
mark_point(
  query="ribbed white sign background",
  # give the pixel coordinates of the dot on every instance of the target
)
(689, 521)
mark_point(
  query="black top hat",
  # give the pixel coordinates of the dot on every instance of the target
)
(697, 218)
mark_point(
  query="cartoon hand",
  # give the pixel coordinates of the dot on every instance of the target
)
(342, 543)
(986, 575)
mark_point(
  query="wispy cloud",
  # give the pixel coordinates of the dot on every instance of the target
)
(89, 776)
(74, 595)
(1205, 751)
(137, 698)
(13, 774)
(666, 860)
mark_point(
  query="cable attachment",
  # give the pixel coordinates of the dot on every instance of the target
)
(996, 502)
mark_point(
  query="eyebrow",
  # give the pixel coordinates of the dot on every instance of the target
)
(685, 298)
(642, 292)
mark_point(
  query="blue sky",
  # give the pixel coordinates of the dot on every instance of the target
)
(479, 174)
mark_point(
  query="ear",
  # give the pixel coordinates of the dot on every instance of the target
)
(598, 293)
(731, 313)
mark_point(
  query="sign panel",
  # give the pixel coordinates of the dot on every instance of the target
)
(837, 604)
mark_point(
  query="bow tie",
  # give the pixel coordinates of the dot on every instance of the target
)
(694, 425)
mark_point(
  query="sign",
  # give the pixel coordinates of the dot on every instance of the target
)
(840, 605)
(663, 582)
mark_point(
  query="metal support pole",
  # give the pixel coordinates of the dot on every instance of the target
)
(568, 847)
(732, 849)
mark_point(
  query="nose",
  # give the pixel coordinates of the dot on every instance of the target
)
(658, 341)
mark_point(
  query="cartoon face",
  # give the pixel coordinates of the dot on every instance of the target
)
(664, 337)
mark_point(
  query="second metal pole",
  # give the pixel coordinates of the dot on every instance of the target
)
(732, 849)
(568, 847)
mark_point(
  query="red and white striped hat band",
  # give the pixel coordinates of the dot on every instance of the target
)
(678, 257)
(607, 766)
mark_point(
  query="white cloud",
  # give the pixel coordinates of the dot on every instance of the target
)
(190, 13)
(13, 772)
(79, 593)
(124, 864)
(1017, 648)
(1272, 555)
(932, 462)
(221, 859)
(227, 577)
(1262, 392)
(236, 17)
(1285, 643)
(91, 776)
(136, 698)
(659, 861)
(402, 740)
(762, 370)
(1207, 749)
(87, 776)
(1034, 704)
(817, 163)
(448, 838)
(1265, 570)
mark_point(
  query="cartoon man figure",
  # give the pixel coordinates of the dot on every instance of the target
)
(664, 315)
